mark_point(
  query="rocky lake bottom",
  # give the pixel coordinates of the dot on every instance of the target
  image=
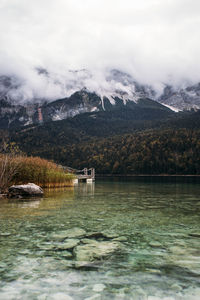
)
(125, 238)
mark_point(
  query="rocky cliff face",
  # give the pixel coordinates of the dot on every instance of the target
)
(182, 99)
(78, 103)
(12, 115)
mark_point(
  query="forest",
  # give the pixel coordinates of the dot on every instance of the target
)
(167, 151)
(171, 146)
(162, 152)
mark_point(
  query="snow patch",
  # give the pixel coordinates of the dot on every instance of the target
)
(172, 108)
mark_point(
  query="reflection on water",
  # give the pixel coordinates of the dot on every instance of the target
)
(157, 218)
(83, 189)
(52, 200)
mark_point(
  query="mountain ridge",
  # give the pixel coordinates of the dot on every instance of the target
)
(118, 91)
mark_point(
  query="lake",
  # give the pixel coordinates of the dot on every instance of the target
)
(149, 226)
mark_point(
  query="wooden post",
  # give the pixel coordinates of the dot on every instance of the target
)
(93, 173)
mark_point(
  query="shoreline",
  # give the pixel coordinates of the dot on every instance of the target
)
(143, 175)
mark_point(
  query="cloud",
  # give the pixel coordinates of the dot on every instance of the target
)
(156, 41)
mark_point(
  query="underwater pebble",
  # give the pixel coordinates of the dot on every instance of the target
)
(195, 234)
(155, 244)
(46, 246)
(176, 287)
(88, 241)
(154, 271)
(66, 254)
(177, 250)
(120, 239)
(109, 235)
(59, 296)
(98, 287)
(24, 252)
(69, 233)
(42, 297)
(5, 234)
(94, 297)
(68, 244)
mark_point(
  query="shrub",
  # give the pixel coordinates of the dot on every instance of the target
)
(22, 169)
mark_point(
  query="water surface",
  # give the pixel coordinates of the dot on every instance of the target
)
(160, 218)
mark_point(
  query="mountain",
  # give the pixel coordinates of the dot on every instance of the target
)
(114, 92)
(118, 126)
(183, 98)
(13, 116)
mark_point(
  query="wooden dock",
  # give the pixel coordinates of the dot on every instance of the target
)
(86, 175)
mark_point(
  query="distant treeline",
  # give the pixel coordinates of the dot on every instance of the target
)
(152, 152)
(118, 143)
(166, 151)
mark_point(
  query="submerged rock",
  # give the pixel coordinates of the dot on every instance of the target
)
(109, 234)
(94, 251)
(85, 248)
(47, 246)
(69, 244)
(60, 296)
(99, 287)
(5, 234)
(195, 234)
(155, 244)
(121, 239)
(95, 235)
(69, 233)
(94, 297)
(87, 241)
(29, 189)
(178, 250)
(65, 254)
(102, 235)
(175, 287)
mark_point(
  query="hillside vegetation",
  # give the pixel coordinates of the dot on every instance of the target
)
(117, 144)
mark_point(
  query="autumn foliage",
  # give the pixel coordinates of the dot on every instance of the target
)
(22, 169)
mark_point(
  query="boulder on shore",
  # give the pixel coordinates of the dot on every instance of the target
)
(29, 189)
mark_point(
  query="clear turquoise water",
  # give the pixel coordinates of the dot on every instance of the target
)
(160, 217)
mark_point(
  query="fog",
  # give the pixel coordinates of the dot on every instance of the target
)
(155, 41)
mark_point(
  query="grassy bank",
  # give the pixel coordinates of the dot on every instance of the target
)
(22, 169)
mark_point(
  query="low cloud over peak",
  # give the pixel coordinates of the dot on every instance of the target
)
(154, 41)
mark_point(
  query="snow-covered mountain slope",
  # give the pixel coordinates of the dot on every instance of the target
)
(182, 99)
(13, 116)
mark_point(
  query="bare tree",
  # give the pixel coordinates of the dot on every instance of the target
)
(8, 169)
(9, 162)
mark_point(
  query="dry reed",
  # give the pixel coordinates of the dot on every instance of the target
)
(39, 171)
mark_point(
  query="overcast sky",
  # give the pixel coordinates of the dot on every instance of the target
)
(156, 41)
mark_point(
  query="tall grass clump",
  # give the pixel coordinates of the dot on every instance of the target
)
(37, 170)
(9, 167)
(42, 172)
